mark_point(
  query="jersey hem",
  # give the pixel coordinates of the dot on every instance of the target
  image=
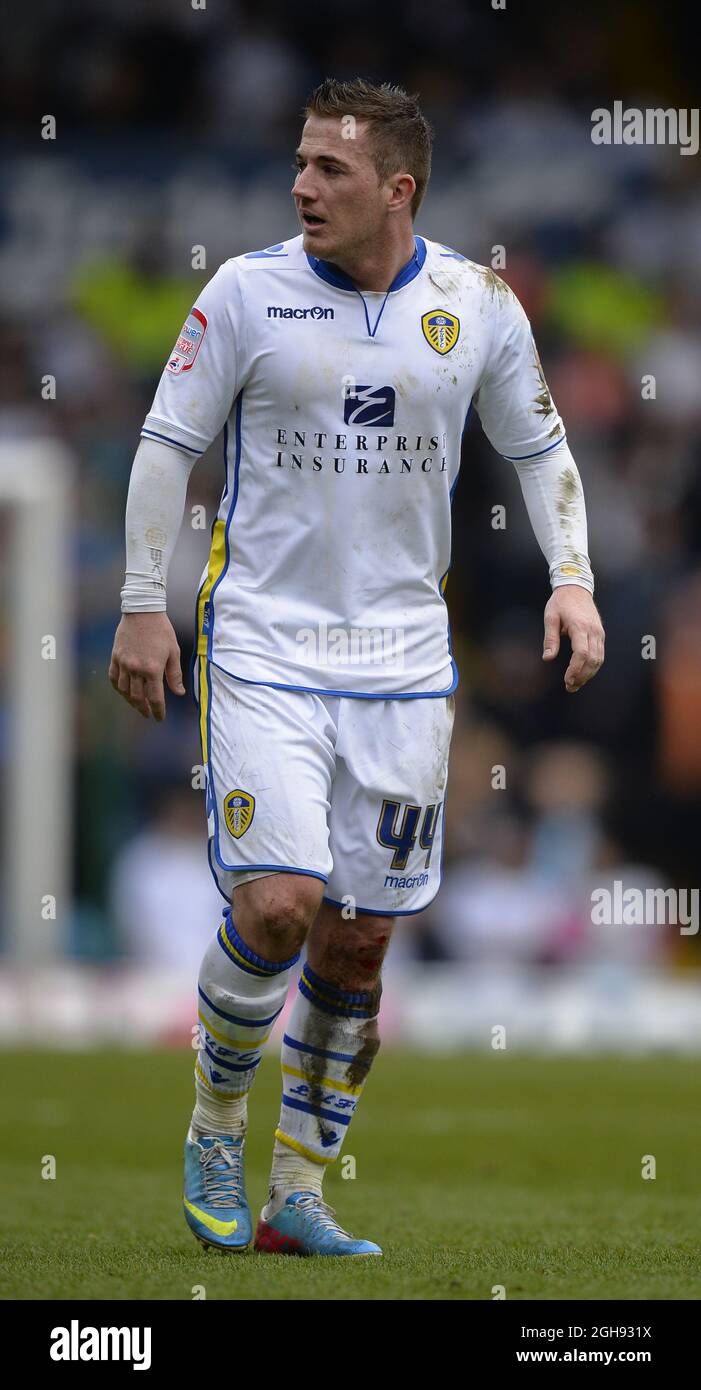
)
(349, 694)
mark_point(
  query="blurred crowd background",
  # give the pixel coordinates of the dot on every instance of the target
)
(176, 128)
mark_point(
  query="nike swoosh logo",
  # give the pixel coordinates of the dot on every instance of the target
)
(220, 1228)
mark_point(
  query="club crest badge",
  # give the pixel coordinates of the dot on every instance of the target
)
(441, 330)
(239, 807)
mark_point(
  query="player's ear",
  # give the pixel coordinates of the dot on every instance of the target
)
(403, 187)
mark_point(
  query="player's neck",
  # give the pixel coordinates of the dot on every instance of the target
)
(378, 269)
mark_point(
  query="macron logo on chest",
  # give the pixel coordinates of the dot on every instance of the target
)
(279, 311)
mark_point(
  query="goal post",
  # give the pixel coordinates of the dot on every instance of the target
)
(36, 477)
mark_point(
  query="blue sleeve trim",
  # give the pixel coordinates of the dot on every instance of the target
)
(518, 458)
(153, 434)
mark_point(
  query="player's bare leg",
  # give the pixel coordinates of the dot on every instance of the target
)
(243, 984)
(274, 914)
(349, 952)
(242, 987)
(329, 1045)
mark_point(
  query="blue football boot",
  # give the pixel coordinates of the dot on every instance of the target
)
(305, 1225)
(214, 1197)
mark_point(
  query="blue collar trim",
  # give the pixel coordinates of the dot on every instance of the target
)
(333, 276)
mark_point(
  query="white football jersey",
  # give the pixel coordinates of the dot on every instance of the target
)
(343, 414)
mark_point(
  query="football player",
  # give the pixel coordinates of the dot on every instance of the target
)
(342, 365)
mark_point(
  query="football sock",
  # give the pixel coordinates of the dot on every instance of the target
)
(331, 1041)
(239, 997)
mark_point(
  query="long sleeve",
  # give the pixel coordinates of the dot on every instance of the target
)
(554, 497)
(520, 420)
(155, 507)
(192, 401)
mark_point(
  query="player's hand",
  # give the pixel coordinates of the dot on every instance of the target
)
(145, 649)
(571, 609)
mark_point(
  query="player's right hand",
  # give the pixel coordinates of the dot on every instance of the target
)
(145, 650)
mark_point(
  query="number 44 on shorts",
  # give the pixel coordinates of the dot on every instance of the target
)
(402, 838)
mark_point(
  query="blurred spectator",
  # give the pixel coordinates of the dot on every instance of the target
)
(165, 904)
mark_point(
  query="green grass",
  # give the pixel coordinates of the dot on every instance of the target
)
(471, 1171)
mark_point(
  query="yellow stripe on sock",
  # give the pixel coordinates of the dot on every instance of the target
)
(324, 1081)
(240, 960)
(301, 1148)
(337, 1004)
(242, 1044)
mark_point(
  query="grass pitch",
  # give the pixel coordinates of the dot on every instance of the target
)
(471, 1171)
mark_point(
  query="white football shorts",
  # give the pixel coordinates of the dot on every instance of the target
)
(350, 791)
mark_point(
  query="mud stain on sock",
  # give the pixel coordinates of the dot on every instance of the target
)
(319, 1032)
(357, 1070)
(322, 1032)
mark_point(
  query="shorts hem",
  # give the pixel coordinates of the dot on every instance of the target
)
(268, 868)
(382, 912)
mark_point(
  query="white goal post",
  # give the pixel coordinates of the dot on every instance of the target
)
(36, 477)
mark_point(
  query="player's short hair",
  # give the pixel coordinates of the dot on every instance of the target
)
(401, 137)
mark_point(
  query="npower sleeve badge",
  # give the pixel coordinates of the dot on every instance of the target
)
(189, 343)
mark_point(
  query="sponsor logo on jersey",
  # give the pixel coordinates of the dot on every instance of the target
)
(369, 405)
(363, 451)
(189, 342)
(406, 881)
(278, 311)
(441, 330)
(239, 807)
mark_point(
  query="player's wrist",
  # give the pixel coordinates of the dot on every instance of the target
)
(568, 572)
(573, 584)
(142, 603)
(143, 612)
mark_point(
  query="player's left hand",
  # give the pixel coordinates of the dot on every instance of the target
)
(571, 609)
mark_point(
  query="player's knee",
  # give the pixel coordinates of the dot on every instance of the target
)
(286, 920)
(367, 948)
(350, 954)
(279, 914)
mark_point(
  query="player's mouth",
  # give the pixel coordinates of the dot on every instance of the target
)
(311, 222)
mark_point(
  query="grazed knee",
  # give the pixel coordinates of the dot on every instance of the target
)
(349, 954)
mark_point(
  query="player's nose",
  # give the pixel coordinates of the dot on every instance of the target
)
(303, 186)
